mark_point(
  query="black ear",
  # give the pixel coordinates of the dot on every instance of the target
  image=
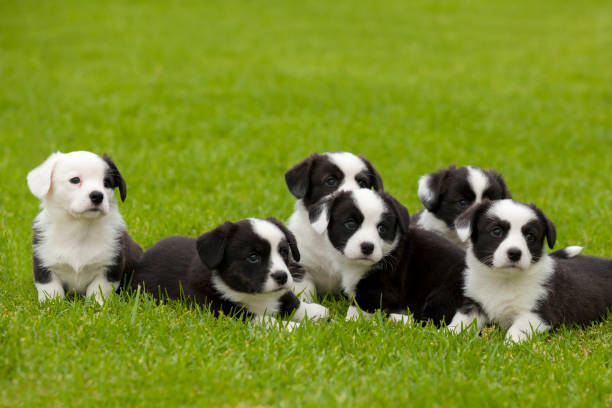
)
(298, 177)
(430, 188)
(290, 238)
(211, 245)
(498, 177)
(551, 231)
(118, 180)
(376, 179)
(400, 211)
(465, 224)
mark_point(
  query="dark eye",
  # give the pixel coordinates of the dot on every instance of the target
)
(497, 232)
(363, 184)
(463, 203)
(253, 258)
(284, 252)
(382, 228)
(350, 225)
(331, 181)
(529, 237)
(108, 183)
(75, 180)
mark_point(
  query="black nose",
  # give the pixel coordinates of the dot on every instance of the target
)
(367, 248)
(96, 197)
(514, 254)
(279, 277)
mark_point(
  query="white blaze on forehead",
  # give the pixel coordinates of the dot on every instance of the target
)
(514, 213)
(479, 182)
(350, 165)
(370, 204)
(268, 231)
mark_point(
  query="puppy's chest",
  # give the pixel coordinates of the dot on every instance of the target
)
(504, 299)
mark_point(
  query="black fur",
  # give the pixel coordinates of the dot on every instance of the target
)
(115, 177)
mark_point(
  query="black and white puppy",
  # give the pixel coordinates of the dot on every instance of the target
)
(318, 176)
(80, 242)
(236, 266)
(510, 280)
(385, 263)
(450, 191)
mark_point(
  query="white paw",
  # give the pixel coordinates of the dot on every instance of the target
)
(49, 291)
(353, 314)
(516, 335)
(401, 318)
(315, 311)
(100, 289)
(290, 326)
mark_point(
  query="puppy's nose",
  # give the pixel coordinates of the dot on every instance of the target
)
(367, 248)
(96, 197)
(279, 277)
(514, 254)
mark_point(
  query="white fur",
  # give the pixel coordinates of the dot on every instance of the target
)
(478, 181)
(271, 233)
(260, 304)
(428, 221)
(401, 318)
(310, 310)
(462, 321)
(350, 165)
(77, 244)
(424, 192)
(572, 251)
(517, 215)
(353, 313)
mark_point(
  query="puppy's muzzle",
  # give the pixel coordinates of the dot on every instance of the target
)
(96, 197)
(279, 277)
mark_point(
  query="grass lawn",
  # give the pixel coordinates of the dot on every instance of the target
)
(204, 105)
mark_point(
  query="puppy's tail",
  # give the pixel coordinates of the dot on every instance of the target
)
(567, 252)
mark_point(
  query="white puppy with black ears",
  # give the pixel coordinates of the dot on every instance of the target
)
(510, 280)
(80, 243)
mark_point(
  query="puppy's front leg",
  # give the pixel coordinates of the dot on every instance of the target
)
(49, 290)
(467, 315)
(100, 288)
(269, 321)
(353, 313)
(525, 326)
(301, 310)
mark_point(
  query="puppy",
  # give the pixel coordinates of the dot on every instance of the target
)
(449, 192)
(236, 266)
(511, 281)
(386, 264)
(80, 243)
(318, 176)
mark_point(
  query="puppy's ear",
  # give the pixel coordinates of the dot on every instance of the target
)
(118, 180)
(375, 177)
(298, 177)
(211, 245)
(551, 231)
(430, 188)
(465, 224)
(290, 238)
(39, 179)
(319, 214)
(500, 180)
(400, 211)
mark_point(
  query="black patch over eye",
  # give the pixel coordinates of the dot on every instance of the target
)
(253, 257)
(463, 203)
(75, 180)
(363, 184)
(284, 252)
(331, 181)
(108, 182)
(382, 228)
(497, 232)
(350, 225)
(530, 237)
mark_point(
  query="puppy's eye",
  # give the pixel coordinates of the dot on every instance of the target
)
(529, 237)
(350, 225)
(108, 183)
(331, 181)
(253, 258)
(75, 180)
(463, 203)
(497, 232)
(382, 228)
(284, 252)
(363, 184)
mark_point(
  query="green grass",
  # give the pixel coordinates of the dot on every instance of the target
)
(204, 105)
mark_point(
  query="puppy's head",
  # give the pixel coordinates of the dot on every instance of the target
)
(363, 225)
(250, 255)
(449, 192)
(506, 234)
(322, 174)
(79, 183)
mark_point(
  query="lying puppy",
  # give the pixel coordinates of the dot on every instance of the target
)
(241, 265)
(314, 178)
(511, 281)
(80, 242)
(449, 192)
(385, 263)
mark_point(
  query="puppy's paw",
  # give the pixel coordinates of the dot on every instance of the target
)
(400, 318)
(49, 291)
(353, 314)
(315, 311)
(516, 335)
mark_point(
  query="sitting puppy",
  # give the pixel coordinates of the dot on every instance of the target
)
(511, 281)
(234, 266)
(449, 192)
(80, 242)
(314, 178)
(386, 264)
